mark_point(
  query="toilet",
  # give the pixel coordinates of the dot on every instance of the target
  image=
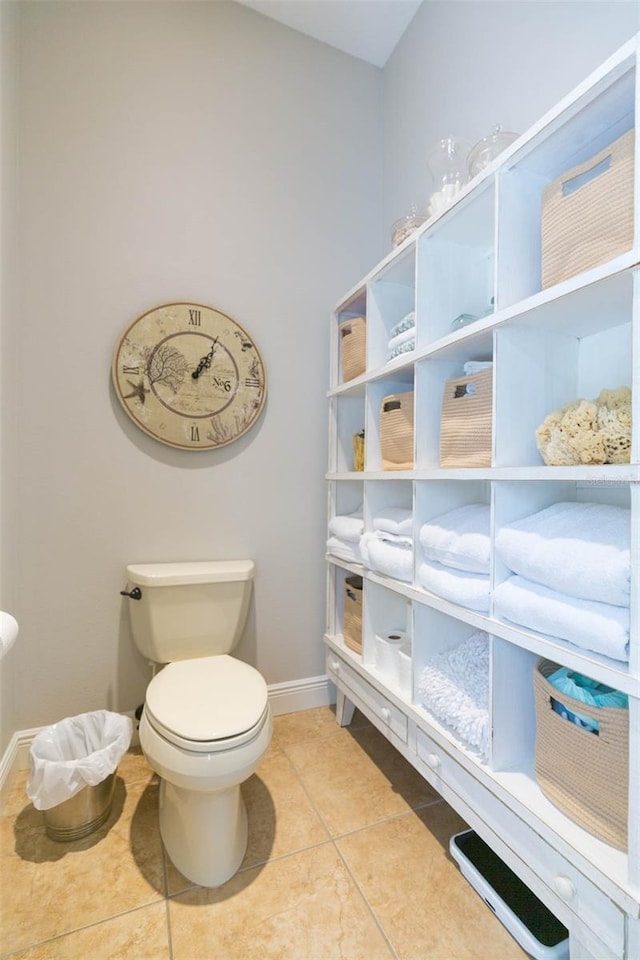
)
(206, 722)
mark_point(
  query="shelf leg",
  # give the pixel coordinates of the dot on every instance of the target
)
(344, 709)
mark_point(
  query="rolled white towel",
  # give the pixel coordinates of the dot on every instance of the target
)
(466, 589)
(349, 527)
(580, 549)
(396, 520)
(601, 627)
(475, 366)
(459, 538)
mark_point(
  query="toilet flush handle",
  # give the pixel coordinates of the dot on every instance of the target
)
(135, 594)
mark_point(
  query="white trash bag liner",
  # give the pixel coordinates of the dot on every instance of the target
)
(75, 753)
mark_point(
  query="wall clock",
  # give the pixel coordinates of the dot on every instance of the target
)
(189, 376)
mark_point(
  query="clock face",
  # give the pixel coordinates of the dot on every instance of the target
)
(189, 376)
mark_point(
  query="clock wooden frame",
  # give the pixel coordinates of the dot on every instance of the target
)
(189, 376)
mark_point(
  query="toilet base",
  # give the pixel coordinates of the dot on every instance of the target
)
(205, 834)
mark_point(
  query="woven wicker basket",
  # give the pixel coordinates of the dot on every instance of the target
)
(352, 615)
(466, 421)
(396, 431)
(353, 347)
(585, 775)
(587, 213)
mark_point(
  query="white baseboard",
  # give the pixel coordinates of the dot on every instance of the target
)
(289, 697)
(295, 695)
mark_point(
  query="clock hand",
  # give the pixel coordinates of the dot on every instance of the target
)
(205, 362)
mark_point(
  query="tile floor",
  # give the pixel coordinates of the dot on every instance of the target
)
(347, 859)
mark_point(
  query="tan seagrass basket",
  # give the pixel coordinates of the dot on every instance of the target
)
(466, 421)
(396, 431)
(353, 347)
(587, 213)
(586, 775)
(352, 614)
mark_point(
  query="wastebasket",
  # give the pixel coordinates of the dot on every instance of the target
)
(73, 767)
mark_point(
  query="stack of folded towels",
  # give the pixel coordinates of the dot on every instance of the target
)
(456, 548)
(571, 575)
(388, 548)
(402, 336)
(344, 536)
(454, 688)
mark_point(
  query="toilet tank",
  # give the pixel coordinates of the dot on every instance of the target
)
(189, 610)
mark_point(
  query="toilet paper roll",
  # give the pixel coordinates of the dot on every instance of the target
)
(386, 649)
(404, 670)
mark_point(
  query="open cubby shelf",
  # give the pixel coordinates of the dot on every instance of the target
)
(548, 347)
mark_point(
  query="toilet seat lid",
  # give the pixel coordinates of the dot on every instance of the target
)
(208, 699)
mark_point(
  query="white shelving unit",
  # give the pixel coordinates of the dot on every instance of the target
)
(548, 347)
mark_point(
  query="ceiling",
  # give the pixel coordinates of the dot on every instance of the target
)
(367, 29)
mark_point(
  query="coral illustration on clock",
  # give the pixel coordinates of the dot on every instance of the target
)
(189, 376)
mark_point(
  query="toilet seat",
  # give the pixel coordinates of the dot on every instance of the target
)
(207, 704)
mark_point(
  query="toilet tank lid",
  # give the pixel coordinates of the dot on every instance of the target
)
(203, 571)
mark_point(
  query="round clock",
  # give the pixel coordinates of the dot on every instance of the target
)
(189, 376)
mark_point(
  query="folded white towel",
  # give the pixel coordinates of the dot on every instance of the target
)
(467, 589)
(459, 538)
(394, 538)
(392, 559)
(581, 549)
(475, 366)
(454, 687)
(406, 323)
(401, 338)
(396, 520)
(349, 527)
(344, 550)
(600, 627)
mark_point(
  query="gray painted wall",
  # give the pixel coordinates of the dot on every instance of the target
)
(171, 151)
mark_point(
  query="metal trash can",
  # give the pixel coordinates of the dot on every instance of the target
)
(82, 813)
(73, 771)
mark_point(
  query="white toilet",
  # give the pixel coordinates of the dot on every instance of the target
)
(206, 722)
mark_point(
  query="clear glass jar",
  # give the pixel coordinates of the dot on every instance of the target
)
(447, 162)
(489, 148)
(406, 225)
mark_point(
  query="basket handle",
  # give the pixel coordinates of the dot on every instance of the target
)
(464, 390)
(346, 329)
(391, 405)
(574, 183)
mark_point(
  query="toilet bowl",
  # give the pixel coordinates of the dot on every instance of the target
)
(206, 722)
(205, 727)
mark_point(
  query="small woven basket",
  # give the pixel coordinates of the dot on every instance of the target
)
(352, 615)
(466, 421)
(396, 431)
(353, 347)
(583, 774)
(587, 213)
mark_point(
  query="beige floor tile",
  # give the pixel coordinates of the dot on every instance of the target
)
(55, 888)
(140, 935)
(134, 767)
(357, 778)
(422, 901)
(312, 725)
(303, 907)
(281, 818)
